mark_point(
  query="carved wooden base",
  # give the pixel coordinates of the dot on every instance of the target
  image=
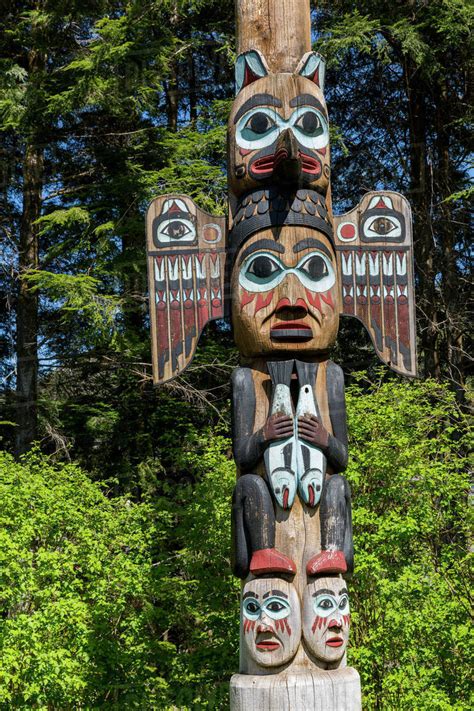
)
(337, 690)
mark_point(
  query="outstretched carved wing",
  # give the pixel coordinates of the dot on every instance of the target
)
(186, 258)
(374, 247)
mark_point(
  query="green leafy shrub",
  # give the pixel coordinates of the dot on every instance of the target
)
(111, 603)
(76, 591)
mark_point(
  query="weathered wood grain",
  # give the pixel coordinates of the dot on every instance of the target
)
(280, 29)
(305, 691)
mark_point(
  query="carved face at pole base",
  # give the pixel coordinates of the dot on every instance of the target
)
(326, 619)
(270, 621)
(285, 293)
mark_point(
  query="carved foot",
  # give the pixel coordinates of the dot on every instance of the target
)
(327, 562)
(269, 560)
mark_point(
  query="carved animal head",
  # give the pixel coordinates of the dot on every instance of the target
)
(278, 127)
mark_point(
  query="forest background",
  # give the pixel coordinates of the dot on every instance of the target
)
(115, 589)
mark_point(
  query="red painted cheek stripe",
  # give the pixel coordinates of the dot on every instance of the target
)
(327, 298)
(288, 628)
(347, 619)
(263, 301)
(318, 623)
(248, 625)
(247, 298)
(314, 299)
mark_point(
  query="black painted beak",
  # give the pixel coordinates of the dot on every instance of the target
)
(288, 165)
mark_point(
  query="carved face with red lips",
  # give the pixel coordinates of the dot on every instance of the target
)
(326, 618)
(270, 621)
(285, 293)
(278, 128)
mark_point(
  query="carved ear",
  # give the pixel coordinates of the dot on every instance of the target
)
(312, 66)
(249, 67)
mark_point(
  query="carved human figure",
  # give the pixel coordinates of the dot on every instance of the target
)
(285, 302)
(270, 621)
(326, 619)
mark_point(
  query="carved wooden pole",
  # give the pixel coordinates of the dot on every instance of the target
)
(293, 269)
(280, 30)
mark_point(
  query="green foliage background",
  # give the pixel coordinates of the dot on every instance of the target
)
(112, 603)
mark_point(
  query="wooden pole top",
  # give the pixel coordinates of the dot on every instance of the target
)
(280, 29)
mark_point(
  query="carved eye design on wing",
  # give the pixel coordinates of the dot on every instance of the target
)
(257, 129)
(310, 127)
(174, 229)
(382, 226)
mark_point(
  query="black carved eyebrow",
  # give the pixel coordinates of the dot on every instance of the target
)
(261, 244)
(257, 100)
(249, 594)
(323, 591)
(344, 590)
(280, 593)
(311, 242)
(307, 100)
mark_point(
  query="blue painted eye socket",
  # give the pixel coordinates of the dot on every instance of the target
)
(344, 604)
(324, 605)
(260, 127)
(251, 608)
(310, 127)
(277, 608)
(263, 271)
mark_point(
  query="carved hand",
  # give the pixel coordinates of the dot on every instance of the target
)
(311, 429)
(277, 427)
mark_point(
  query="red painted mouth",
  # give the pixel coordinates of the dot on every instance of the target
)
(267, 645)
(335, 642)
(263, 165)
(310, 165)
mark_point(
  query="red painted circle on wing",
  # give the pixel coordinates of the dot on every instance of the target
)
(347, 231)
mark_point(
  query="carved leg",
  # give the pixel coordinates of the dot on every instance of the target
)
(337, 554)
(253, 534)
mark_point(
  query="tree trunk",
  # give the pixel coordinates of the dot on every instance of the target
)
(421, 196)
(27, 309)
(452, 296)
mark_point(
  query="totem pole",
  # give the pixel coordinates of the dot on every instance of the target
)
(292, 268)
